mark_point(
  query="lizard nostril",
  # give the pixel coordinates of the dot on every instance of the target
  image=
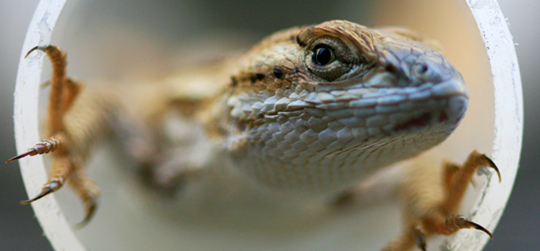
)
(421, 70)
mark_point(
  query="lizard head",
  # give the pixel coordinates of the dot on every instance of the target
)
(336, 101)
(387, 66)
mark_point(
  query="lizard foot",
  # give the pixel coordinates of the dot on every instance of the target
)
(425, 214)
(66, 164)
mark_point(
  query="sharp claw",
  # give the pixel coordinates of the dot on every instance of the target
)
(45, 146)
(421, 242)
(29, 153)
(44, 85)
(41, 48)
(31, 50)
(44, 191)
(51, 186)
(466, 222)
(479, 227)
(492, 165)
(420, 239)
(90, 212)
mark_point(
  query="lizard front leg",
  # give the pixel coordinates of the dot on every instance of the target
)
(134, 114)
(430, 205)
(71, 129)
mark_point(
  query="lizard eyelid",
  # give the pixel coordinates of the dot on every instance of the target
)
(300, 43)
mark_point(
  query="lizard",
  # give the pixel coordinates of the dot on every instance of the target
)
(313, 110)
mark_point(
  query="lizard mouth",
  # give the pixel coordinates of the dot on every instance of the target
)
(450, 115)
(420, 121)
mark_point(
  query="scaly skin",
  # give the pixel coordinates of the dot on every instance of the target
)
(321, 128)
(313, 110)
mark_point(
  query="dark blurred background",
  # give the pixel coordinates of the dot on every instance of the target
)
(520, 224)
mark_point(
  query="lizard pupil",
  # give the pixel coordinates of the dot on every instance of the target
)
(323, 56)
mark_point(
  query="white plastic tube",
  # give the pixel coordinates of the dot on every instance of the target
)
(499, 44)
(120, 226)
(48, 212)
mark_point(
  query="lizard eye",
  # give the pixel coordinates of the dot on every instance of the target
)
(323, 55)
(328, 58)
(326, 61)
